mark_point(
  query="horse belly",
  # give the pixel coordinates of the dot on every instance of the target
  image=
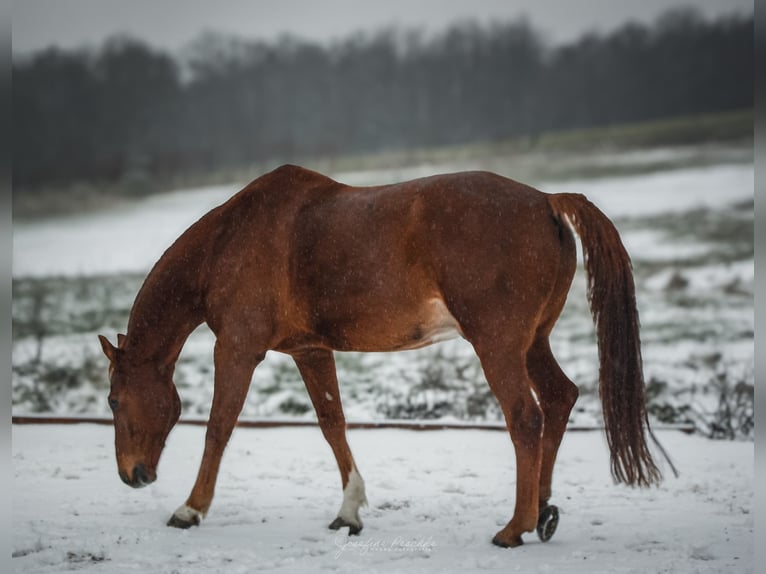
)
(436, 325)
(388, 329)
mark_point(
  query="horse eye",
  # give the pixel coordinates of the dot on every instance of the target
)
(113, 403)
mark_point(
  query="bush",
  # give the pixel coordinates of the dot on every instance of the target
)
(735, 416)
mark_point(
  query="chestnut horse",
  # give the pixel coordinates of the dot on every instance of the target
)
(301, 264)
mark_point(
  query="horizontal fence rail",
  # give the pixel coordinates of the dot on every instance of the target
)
(417, 425)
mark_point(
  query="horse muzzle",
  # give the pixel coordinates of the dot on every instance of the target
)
(140, 477)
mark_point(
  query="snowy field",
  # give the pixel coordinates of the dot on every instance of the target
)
(132, 238)
(435, 501)
(436, 498)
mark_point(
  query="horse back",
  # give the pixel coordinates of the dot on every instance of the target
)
(377, 268)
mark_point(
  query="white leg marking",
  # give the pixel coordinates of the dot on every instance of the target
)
(328, 396)
(353, 498)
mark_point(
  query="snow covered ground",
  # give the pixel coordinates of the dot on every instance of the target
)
(436, 498)
(435, 501)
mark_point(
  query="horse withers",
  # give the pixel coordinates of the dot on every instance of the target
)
(299, 263)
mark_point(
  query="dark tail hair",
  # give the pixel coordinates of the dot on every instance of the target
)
(612, 298)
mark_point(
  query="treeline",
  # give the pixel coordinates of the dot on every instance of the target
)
(128, 110)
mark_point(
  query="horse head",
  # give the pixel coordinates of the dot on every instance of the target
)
(145, 405)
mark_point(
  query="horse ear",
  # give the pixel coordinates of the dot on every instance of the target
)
(109, 350)
(120, 340)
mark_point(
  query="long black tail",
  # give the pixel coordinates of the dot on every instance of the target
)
(612, 298)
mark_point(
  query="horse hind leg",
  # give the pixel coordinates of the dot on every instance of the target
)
(317, 367)
(557, 395)
(504, 366)
(555, 392)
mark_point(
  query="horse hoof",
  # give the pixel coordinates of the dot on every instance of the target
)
(185, 517)
(176, 522)
(547, 522)
(338, 523)
(512, 543)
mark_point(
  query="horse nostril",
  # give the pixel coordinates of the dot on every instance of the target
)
(140, 476)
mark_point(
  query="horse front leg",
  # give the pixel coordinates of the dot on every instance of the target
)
(233, 373)
(317, 367)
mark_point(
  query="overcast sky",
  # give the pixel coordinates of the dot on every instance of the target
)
(172, 24)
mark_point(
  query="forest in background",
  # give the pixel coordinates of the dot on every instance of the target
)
(129, 114)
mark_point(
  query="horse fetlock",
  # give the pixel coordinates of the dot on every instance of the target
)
(354, 497)
(185, 517)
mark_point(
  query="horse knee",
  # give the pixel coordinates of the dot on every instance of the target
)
(331, 423)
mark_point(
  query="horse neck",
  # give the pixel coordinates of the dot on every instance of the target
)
(167, 309)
